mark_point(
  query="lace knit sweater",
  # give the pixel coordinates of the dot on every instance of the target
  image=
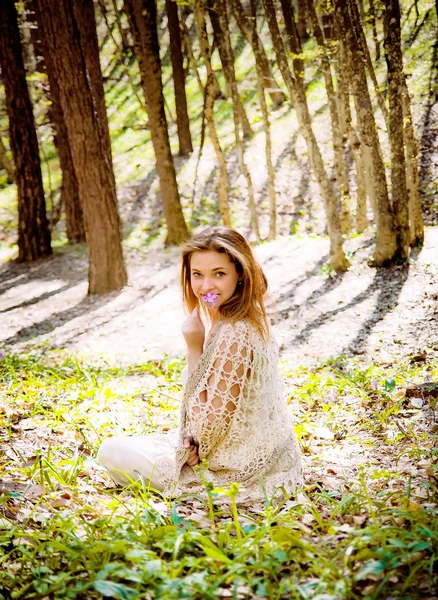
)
(242, 422)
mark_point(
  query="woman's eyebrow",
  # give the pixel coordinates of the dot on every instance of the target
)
(216, 269)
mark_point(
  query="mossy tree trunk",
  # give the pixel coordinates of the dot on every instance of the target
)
(247, 27)
(179, 84)
(142, 16)
(227, 58)
(209, 113)
(416, 222)
(386, 246)
(267, 129)
(296, 89)
(33, 227)
(217, 16)
(337, 135)
(394, 62)
(70, 31)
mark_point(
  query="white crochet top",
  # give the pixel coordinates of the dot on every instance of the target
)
(242, 422)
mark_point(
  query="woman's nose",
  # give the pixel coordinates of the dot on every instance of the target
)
(207, 285)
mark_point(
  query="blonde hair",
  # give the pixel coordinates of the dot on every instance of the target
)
(247, 302)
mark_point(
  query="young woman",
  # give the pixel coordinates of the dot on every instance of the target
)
(234, 416)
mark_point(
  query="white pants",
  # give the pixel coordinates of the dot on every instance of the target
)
(130, 458)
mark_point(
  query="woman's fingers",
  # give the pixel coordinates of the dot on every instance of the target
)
(193, 457)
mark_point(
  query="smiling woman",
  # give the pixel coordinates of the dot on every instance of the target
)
(234, 416)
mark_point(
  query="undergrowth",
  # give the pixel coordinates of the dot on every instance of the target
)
(364, 525)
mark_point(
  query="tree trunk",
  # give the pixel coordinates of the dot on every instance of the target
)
(267, 129)
(338, 138)
(227, 64)
(394, 62)
(385, 238)
(142, 17)
(416, 223)
(297, 91)
(33, 227)
(70, 32)
(5, 162)
(343, 101)
(248, 29)
(364, 54)
(209, 113)
(227, 59)
(74, 217)
(374, 28)
(176, 56)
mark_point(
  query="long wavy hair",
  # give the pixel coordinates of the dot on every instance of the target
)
(247, 302)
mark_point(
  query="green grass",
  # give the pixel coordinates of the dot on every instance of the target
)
(66, 533)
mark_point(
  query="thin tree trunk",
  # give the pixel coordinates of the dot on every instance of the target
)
(227, 65)
(74, 218)
(385, 237)
(187, 46)
(374, 29)
(70, 31)
(209, 113)
(143, 22)
(33, 227)
(394, 62)
(6, 163)
(297, 91)
(267, 129)
(249, 31)
(227, 58)
(125, 43)
(338, 138)
(416, 223)
(176, 56)
(343, 98)
(364, 54)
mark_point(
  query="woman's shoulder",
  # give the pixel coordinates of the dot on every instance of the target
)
(243, 330)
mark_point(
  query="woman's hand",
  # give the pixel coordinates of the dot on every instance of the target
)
(193, 331)
(193, 458)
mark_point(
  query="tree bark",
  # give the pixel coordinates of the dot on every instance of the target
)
(416, 223)
(385, 237)
(142, 18)
(268, 143)
(364, 54)
(209, 113)
(374, 29)
(33, 227)
(394, 62)
(74, 217)
(249, 31)
(225, 52)
(338, 138)
(70, 31)
(296, 89)
(5, 162)
(227, 59)
(176, 56)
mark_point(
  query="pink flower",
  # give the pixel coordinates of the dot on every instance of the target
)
(210, 298)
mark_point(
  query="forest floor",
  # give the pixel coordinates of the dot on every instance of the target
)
(383, 313)
(360, 359)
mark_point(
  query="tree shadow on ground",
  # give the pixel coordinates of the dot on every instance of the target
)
(13, 273)
(388, 283)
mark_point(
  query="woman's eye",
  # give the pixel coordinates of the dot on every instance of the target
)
(220, 274)
(196, 275)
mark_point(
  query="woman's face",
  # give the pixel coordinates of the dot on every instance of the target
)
(213, 277)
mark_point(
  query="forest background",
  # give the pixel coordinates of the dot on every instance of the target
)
(312, 128)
